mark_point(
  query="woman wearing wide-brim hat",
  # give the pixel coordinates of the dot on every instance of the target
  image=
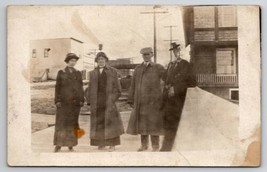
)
(103, 91)
(69, 98)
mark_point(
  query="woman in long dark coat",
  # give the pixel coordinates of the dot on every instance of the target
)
(103, 91)
(69, 98)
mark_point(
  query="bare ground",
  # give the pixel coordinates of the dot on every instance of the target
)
(42, 102)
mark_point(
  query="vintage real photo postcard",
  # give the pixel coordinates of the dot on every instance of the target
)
(134, 85)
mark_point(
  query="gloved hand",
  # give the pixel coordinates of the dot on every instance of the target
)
(171, 92)
(58, 104)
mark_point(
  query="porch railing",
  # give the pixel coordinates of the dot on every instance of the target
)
(217, 79)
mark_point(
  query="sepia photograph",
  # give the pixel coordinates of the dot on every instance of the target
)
(134, 85)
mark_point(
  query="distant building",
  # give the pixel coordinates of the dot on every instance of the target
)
(120, 62)
(47, 57)
(212, 33)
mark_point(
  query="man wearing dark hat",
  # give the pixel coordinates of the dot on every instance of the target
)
(69, 98)
(145, 96)
(176, 83)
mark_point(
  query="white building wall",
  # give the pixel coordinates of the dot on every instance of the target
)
(55, 59)
(56, 56)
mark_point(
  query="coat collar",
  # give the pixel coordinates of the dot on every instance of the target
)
(173, 62)
(66, 69)
(105, 67)
(150, 63)
(107, 71)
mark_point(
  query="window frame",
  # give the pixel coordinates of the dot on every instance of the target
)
(46, 52)
(234, 60)
(34, 53)
(222, 18)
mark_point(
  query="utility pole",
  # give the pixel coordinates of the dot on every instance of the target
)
(170, 40)
(155, 34)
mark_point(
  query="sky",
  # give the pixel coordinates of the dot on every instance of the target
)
(122, 30)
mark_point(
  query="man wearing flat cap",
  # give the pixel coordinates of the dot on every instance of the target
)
(69, 98)
(176, 83)
(145, 96)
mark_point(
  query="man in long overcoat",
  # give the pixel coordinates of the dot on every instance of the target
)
(178, 79)
(146, 97)
(103, 92)
(69, 97)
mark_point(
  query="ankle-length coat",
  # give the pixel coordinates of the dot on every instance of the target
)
(146, 95)
(68, 92)
(113, 123)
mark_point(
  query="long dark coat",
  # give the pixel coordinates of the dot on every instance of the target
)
(179, 77)
(113, 123)
(69, 92)
(146, 94)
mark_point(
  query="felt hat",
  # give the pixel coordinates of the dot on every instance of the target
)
(174, 46)
(70, 56)
(101, 54)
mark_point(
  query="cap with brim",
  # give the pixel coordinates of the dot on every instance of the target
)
(70, 56)
(146, 50)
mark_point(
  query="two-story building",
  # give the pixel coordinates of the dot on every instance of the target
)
(212, 34)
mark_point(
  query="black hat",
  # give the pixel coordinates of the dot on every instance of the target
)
(174, 45)
(101, 54)
(70, 56)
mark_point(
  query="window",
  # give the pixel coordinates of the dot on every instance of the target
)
(204, 17)
(234, 94)
(225, 61)
(46, 52)
(227, 16)
(34, 53)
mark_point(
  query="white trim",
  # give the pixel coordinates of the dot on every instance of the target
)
(230, 92)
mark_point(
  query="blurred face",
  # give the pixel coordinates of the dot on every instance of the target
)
(147, 57)
(101, 61)
(72, 62)
(176, 53)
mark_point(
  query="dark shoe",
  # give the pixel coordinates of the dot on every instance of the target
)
(164, 150)
(57, 149)
(155, 149)
(142, 148)
(101, 147)
(71, 149)
(111, 148)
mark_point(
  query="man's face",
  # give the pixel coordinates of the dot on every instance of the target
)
(176, 52)
(147, 57)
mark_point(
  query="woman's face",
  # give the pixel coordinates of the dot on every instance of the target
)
(101, 61)
(72, 62)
